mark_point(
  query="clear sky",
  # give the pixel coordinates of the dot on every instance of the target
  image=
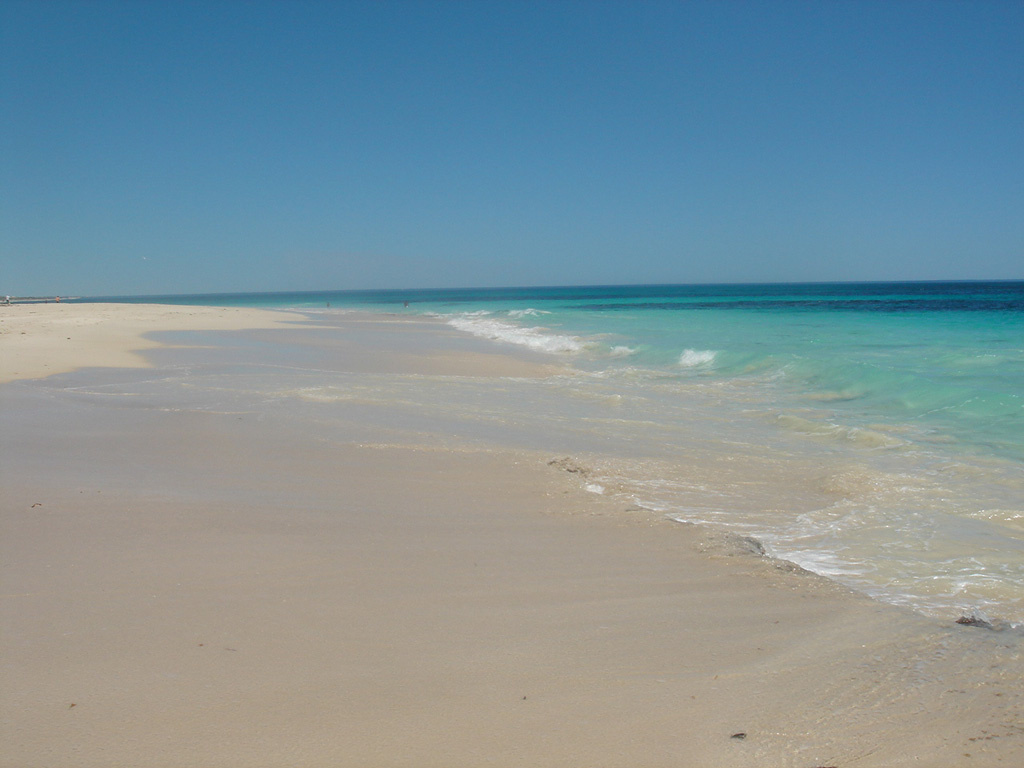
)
(173, 147)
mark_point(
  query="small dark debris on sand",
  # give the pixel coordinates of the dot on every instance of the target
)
(974, 620)
(568, 465)
(751, 545)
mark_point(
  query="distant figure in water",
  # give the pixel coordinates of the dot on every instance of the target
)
(406, 303)
(328, 304)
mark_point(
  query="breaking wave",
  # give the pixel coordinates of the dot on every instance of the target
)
(540, 339)
(697, 358)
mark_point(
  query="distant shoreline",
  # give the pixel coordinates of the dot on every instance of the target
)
(39, 299)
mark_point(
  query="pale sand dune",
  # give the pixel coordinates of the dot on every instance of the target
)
(188, 588)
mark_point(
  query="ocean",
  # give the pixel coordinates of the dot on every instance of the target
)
(869, 432)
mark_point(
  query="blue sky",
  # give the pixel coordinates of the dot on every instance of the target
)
(173, 147)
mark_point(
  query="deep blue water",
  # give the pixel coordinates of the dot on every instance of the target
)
(886, 297)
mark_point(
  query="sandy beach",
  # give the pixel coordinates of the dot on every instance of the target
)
(44, 339)
(226, 582)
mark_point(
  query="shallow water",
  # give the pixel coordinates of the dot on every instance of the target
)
(871, 433)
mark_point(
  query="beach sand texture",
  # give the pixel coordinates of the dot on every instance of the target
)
(44, 339)
(204, 587)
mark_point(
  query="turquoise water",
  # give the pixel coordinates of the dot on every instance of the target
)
(873, 433)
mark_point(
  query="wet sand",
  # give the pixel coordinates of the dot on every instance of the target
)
(204, 588)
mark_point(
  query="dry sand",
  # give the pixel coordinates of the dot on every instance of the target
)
(185, 589)
(44, 339)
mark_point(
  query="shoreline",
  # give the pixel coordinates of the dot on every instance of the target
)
(226, 587)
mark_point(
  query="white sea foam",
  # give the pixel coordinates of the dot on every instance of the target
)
(520, 313)
(540, 339)
(696, 358)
